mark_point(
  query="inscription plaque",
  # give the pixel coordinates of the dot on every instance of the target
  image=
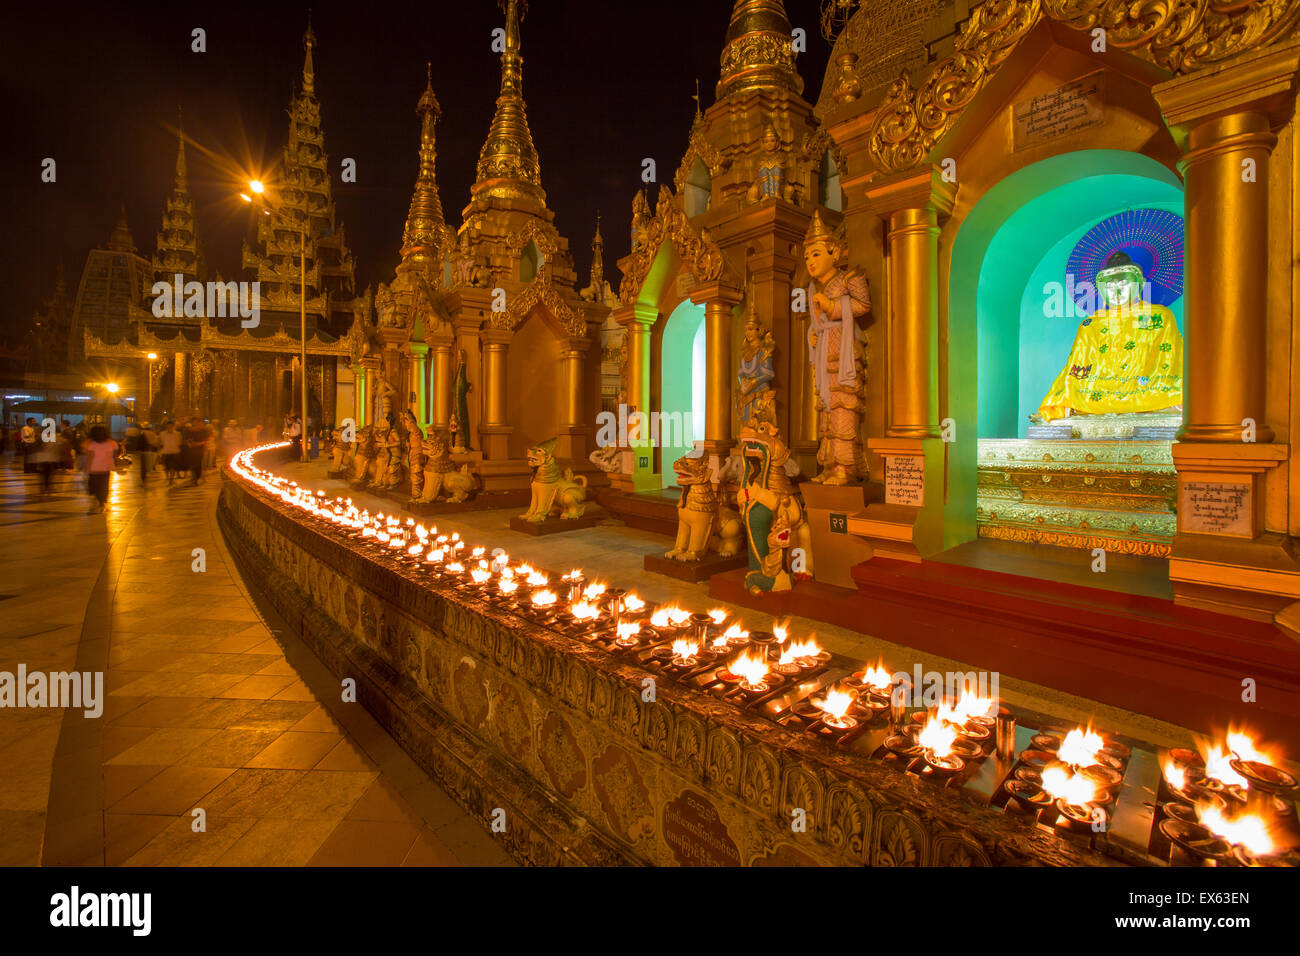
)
(1073, 107)
(905, 480)
(696, 834)
(1213, 507)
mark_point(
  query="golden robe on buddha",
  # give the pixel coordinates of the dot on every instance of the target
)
(1126, 358)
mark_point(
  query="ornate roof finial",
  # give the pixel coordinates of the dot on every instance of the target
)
(507, 163)
(120, 240)
(182, 177)
(758, 54)
(308, 68)
(425, 226)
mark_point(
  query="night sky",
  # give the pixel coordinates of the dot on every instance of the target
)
(607, 82)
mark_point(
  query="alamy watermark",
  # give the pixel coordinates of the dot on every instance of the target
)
(927, 689)
(636, 428)
(211, 300)
(75, 689)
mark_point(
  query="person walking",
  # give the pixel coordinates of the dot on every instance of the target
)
(46, 457)
(101, 453)
(170, 443)
(198, 437)
(149, 444)
(26, 441)
(231, 436)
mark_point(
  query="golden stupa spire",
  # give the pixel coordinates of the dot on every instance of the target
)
(597, 256)
(120, 240)
(182, 176)
(758, 53)
(507, 163)
(424, 222)
(308, 67)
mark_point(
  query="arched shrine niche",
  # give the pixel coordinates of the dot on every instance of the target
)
(682, 393)
(536, 392)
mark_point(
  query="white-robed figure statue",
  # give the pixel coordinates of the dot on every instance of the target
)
(839, 310)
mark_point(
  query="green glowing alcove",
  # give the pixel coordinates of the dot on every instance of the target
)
(682, 394)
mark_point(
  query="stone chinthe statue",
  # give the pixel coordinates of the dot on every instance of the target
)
(839, 307)
(1127, 356)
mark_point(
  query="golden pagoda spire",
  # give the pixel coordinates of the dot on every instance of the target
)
(597, 256)
(308, 68)
(120, 240)
(507, 163)
(425, 226)
(758, 53)
(182, 175)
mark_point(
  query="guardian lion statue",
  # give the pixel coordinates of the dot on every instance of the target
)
(703, 522)
(551, 490)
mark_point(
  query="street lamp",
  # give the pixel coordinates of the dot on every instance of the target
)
(259, 189)
(148, 385)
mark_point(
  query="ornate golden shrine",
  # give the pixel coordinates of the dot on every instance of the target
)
(499, 292)
(1206, 90)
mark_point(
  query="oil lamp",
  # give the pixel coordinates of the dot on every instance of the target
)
(584, 611)
(627, 634)
(751, 672)
(685, 652)
(936, 739)
(835, 710)
(545, 598)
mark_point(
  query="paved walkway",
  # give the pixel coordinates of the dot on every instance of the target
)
(208, 706)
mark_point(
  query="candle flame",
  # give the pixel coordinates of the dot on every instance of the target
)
(877, 677)
(719, 615)
(799, 650)
(937, 737)
(735, 632)
(479, 575)
(508, 585)
(971, 704)
(751, 670)
(584, 611)
(632, 603)
(1080, 748)
(627, 629)
(593, 591)
(1247, 830)
(1218, 767)
(837, 703)
(1174, 775)
(544, 598)
(684, 650)
(1072, 788)
(537, 579)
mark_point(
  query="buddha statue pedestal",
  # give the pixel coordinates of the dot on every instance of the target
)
(908, 524)
(829, 509)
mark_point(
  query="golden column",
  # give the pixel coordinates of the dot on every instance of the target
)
(494, 431)
(440, 385)
(1225, 174)
(909, 525)
(418, 351)
(638, 319)
(575, 426)
(719, 306)
(914, 246)
(1224, 121)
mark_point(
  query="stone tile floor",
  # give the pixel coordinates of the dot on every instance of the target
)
(207, 706)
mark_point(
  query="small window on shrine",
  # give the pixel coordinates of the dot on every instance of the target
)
(699, 189)
(831, 196)
(531, 262)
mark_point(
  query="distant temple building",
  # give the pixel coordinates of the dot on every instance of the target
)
(208, 364)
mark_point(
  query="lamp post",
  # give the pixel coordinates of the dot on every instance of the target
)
(259, 190)
(148, 385)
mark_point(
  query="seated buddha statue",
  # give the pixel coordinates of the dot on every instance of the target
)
(1127, 356)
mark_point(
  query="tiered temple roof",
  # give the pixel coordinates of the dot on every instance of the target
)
(178, 250)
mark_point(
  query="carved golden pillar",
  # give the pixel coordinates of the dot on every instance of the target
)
(1224, 121)
(180, 385)
(718, 312)
(440, 385)
(494, 431)
(418, 352)
(1226, 276)
(329, 390)
(909, 524)
(638, 319)
(369, 376)
(574, 428)
(358, 394)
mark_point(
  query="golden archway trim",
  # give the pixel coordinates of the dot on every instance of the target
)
(541, 292)
(694, 246)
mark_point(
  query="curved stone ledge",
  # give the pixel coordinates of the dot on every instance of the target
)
(507, 714)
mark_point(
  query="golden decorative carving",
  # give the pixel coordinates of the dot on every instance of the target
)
(699, 147)
(696, 247)
(1178, 37)
(541, 291)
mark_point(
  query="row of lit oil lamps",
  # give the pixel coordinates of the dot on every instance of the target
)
(1078, 773)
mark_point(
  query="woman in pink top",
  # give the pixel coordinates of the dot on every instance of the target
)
(101, 452)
